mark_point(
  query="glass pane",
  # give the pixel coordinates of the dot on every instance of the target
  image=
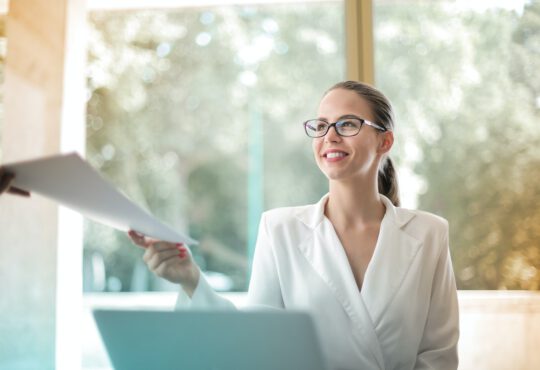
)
(192, 112)
(463, 78)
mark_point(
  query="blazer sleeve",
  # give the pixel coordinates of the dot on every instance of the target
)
(204, 297)
(438, 346)
(264, 286)
(264, 290)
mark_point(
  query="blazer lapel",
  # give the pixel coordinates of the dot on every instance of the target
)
(392, 258)
(324, 252)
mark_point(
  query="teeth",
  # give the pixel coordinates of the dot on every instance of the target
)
(335, 155)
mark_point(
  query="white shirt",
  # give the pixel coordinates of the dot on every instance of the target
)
(405, 316)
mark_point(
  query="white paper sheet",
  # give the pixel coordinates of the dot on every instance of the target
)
(72, 182)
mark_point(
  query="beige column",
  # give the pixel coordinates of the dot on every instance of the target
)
(359, 40)
(40, 256)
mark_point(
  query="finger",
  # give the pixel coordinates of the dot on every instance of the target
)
(135, 237)
(162, 246)
(151, 250)
(138, 239)
(136, 234)
(18, 191)
(162, 257)
(5, 180)
(138, 242)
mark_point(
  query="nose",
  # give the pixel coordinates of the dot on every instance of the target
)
(332, 136)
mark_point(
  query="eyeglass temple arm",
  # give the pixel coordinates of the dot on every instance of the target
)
(378, 127)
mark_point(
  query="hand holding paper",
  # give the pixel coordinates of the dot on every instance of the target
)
(73, 183)
(170, 261)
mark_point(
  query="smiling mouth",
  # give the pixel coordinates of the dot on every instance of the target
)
(335, 155)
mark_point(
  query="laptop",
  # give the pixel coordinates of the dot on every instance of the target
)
(210, 340)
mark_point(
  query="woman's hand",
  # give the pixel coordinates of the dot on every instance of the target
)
(170, 261)
(5, 184)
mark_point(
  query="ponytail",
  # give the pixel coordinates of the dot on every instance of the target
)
(388, 183)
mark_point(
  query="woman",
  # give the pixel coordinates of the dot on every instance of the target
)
(376, 278)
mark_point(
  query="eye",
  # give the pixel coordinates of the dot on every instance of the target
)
(318, 125)
(315, 125)
(348, 124)
(321, 126)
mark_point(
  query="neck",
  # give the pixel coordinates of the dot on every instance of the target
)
(354, 204)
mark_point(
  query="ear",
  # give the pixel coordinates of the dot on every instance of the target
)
(386, 141)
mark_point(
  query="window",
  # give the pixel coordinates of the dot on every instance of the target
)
(462, 76)
(192, 112)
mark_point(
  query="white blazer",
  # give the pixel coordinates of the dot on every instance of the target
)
(404, 317)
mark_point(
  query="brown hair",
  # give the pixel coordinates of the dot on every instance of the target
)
(384, 116)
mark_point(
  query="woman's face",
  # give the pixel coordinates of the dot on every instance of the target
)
(357, 156)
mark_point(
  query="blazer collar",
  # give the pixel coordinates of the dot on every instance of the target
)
(394, 253)
(313, 215)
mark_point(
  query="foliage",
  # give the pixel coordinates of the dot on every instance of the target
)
(466, 92)
(174, 97)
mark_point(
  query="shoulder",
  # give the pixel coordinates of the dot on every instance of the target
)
(429, 220)
(413, 221)
(285, 215)
(290, 224)
(424, 225)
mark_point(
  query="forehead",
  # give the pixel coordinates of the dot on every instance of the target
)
(340, 102)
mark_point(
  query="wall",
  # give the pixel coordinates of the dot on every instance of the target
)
(44, 82)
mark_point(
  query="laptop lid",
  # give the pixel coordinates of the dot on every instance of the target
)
(210, 340)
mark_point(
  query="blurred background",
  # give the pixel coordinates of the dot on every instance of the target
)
(195, 112)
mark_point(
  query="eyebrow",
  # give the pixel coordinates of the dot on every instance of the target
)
(340, 118)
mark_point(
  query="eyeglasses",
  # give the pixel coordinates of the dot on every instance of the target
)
(344, 127)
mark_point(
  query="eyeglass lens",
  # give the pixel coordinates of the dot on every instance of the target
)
(347, 127)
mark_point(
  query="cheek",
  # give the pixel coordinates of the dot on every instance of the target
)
(366, 145)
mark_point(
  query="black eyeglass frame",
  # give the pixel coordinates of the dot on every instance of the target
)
(335, 124)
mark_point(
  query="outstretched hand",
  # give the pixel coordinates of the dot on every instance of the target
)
(6, 178)
(171, 261)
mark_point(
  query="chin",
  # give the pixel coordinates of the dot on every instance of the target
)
(344, 174)
(335, 175)
(331, 173)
